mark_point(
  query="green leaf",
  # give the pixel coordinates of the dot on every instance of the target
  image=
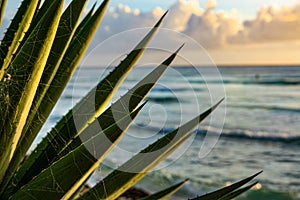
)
(85, 19)
(68, 65)
(107, 118)
(41, 11)
(66, 129)
(238, 192)
(65, 31)
(128, 102)
(118, 109)
(2, 8)
(15, 33)
(80, 189)
(95, 101)
(165, 193)
(64, 177)
(39, 14)
(226, 190)
(138, 166)
(9, 43)
(27, 69)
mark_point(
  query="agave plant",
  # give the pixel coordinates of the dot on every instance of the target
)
(38, 55)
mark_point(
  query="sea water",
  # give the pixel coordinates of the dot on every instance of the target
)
(256, 127)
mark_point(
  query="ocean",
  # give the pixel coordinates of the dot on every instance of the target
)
(255, 128)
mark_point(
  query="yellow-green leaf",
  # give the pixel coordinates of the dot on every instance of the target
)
(138, 166)
(66, 129)
(65, 31)
(165, 193)
(226, 190)
(27, 69)
(64, 177)
(16, 33)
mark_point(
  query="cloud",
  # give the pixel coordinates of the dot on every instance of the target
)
(211, 28)
(207, 25)
(123, 18)
(181, 12)
(271, 24)
(211, 4)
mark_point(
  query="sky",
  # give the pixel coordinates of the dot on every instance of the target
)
(232, 32)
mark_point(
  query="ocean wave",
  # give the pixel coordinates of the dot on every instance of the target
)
(195, 187)
(236, 134)
(167, 100)
(171, 90)
(192, 189)
(250, 82)
(273, 82)
(261, 136)
(266, 107)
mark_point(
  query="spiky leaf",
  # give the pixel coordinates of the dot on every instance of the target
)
(39, 14)
(80, 41)
(64, 177)
(66, 129)
(138, 166)
(27, 68)
(71, 58)
(2, 8)
(226, 190)
(13, 36)
(238, 192)
(85, 20)
(165, 193)
(128, 102)
(15, 33)
(63, 37)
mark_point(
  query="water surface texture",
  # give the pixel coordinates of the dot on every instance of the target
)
(260, 132)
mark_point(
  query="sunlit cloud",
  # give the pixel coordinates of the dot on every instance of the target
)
(214, 29)
(211, 28)
(271, 24)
